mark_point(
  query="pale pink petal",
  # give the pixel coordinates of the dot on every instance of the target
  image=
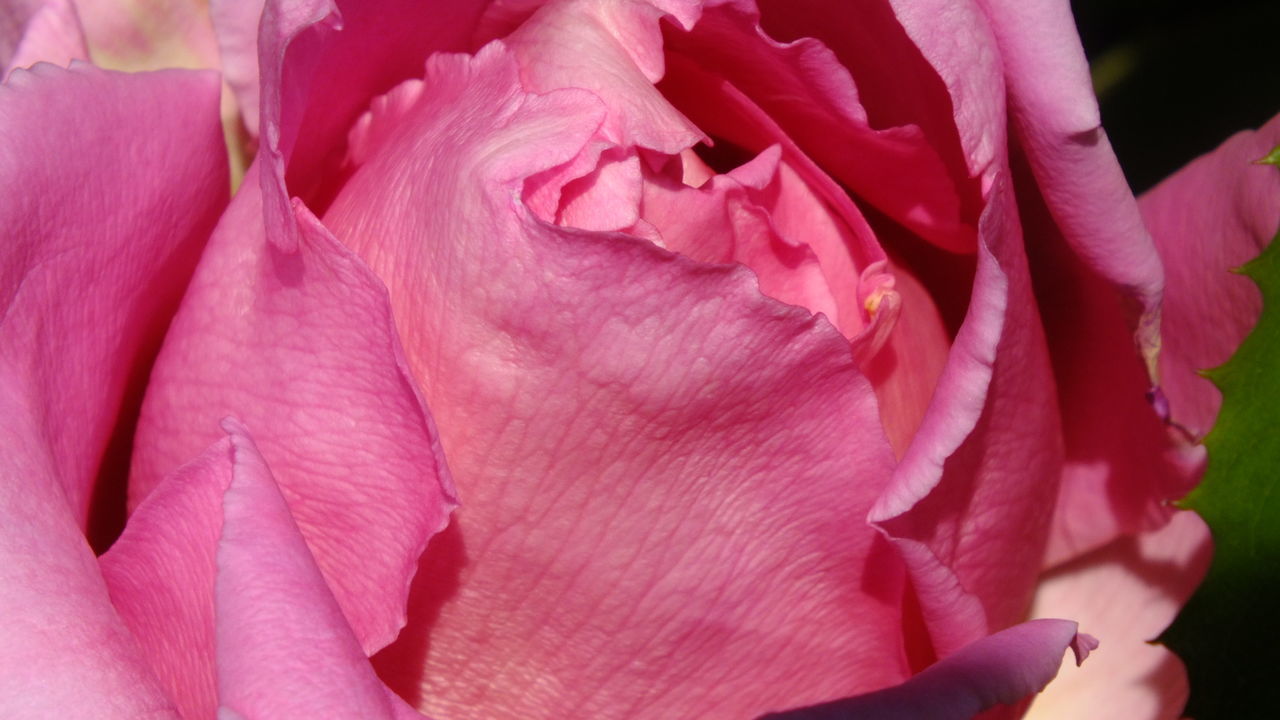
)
(64, 652)
(301, 344)
(284, 649)
(1126, 594)
(235, 24)
(881, 154)
(114, 182)
(160, 574)
(976, 485)
(998, 670)
(148, 35)
(1055, 114)
(665, 471)
(32, 31)
(1209, 218)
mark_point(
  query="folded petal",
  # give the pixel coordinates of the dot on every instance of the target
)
(997, 670)
(1125, 593)
(301, 344)
(64, 652)
(284, 649)
(90, 222)
(114, 183)
(1055, 116)
(1207, 219)
(665, 471)
(160, 574)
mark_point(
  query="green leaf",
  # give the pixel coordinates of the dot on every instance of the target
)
(1229, 633)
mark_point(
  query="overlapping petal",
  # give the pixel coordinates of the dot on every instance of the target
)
(663, 470)
(98, 247)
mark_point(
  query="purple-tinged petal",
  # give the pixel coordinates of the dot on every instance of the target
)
(113, 183)
(1000, 669)
(301, 344)
(1055, 115)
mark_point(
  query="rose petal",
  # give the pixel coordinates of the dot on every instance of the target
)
(284, 648)
(804, 87)
(147, 35)
(32, 31)
(105, 216)
(997, 670)
(302, 345)
(84, 234)
(1055, 114)
(1126, 594)
(160, 575)
(1207, 219)
(631, 542)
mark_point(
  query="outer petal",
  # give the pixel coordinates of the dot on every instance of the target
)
(1055, 114)
(113, 184)
(997, 670)
(1214, 215)
(284, 649)
(665, 471)
(83, 235)
(301, 344)
(39, 30)
(1126, 593)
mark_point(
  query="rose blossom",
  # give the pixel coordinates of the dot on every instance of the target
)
(769, 367)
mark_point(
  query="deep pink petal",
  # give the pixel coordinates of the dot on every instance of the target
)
(32, 31)
(1126, 594)
(319, 63)
(113, 184)
(160, 574)
(997, 670)
(302, 346)
(1209, 218)
(665, 472)
(284, 649)
(1055, 115)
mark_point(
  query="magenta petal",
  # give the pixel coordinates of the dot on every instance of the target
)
(665, 472)
(284, 648)
(1207, 219)
(1055, 114)
(113, 182)
(1000, 669)
(302, 345)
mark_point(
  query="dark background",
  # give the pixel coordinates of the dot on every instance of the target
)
(1177, 77)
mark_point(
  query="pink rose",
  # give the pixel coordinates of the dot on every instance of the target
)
(733, 360)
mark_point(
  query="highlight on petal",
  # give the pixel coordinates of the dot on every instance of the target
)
(284, 649)
(302, 345)
(105, 216)
(664, 469)
(1000, 669)
(1127, 593)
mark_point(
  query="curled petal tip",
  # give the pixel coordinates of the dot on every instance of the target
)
(1082, 645)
